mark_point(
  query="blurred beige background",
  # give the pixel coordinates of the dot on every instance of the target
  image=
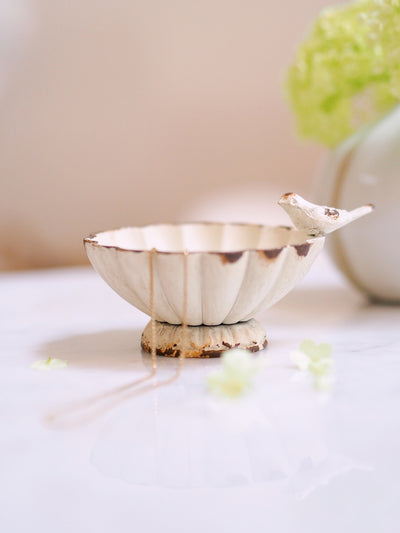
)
(127, 112)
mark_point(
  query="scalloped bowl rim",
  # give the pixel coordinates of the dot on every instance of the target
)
(229, 281)
(94, 238)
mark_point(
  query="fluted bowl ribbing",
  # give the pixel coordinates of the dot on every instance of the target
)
(234, 271)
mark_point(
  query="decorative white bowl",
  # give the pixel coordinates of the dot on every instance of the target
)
(234, 271)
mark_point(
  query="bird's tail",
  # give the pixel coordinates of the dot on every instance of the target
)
(346, 217)
(361, 211)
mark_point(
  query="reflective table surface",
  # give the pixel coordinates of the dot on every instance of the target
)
(78, 456)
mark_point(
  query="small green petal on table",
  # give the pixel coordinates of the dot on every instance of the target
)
(235, 377)
(324, 383)
(321, 367)
(315, 351)
(317, 359)
(49, 364)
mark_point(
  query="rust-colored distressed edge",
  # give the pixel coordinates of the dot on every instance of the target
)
(227, 257)
(272, 253)
(303, 249)
(287, 195)
(230, 257)
(203, 353)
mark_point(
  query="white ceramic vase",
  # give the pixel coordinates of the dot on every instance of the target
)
(366, 169)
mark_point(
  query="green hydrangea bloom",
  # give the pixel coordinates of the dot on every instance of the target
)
(347, 72)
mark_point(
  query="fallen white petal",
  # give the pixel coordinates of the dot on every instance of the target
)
(300, 360)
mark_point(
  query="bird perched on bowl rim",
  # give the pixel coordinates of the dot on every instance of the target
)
(318, 220)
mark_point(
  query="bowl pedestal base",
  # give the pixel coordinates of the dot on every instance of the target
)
(205, 341)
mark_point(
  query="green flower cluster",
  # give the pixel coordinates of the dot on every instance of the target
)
(236, 375)
(317, 359)
(347, 72)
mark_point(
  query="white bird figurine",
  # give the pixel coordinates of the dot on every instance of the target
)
(318, 220)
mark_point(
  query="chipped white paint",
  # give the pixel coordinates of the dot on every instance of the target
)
(234, 270)
(206, 341)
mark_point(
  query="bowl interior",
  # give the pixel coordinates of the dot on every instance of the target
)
(200, 237)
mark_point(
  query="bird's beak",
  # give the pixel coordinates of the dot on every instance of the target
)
(285, 198)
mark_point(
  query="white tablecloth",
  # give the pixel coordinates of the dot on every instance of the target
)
(285, 458)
